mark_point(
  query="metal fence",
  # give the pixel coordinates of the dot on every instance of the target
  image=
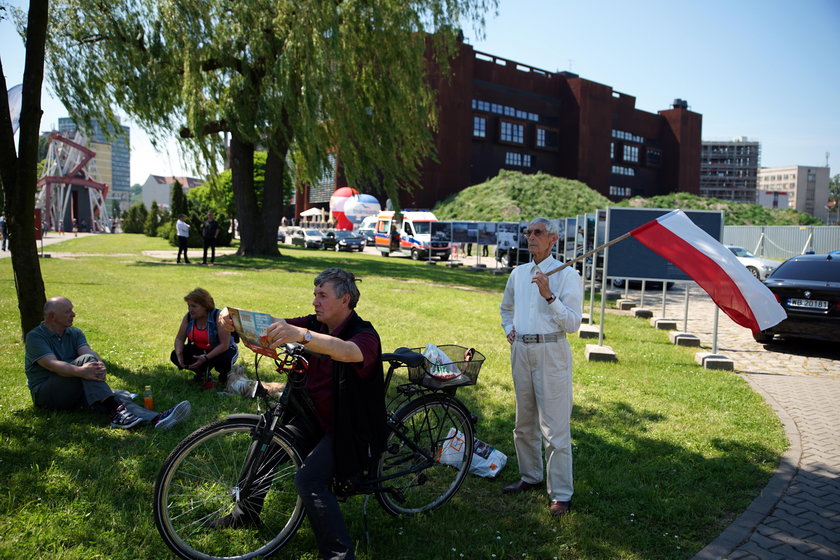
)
(783, 242)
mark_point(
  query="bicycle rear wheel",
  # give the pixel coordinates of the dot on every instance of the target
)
(199, 484)
(440, 426)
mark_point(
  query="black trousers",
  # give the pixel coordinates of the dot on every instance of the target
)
(182, 247)
(221, 363)
(209, 243)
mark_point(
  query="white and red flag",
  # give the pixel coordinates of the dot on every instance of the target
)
(731, 286)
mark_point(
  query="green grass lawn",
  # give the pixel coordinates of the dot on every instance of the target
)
(666, 453)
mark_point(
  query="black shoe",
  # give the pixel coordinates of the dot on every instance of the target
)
(520, 486)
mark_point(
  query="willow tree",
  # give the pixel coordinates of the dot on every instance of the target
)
(18, 169)
(301, 79)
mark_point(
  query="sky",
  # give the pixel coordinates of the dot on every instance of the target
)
(768, 70)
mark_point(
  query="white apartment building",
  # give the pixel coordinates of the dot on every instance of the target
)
(159, 189)
(805, 188)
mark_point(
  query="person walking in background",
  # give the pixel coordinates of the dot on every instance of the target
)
(182, 229)
(537, 312)
(210, 233)
(3, 230)
(64, 373)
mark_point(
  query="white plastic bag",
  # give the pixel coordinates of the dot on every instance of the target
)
(442, 366)
(487, 461)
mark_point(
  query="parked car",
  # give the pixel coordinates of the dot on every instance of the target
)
(281, 235)
(760, 268)
(368, 234)
(618, 283)
(309, 238)
(808, 288)
(341, 240)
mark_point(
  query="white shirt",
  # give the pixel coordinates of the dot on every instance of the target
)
(182, 228)
(524, 309)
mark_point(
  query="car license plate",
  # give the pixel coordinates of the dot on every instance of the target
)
(809, 303)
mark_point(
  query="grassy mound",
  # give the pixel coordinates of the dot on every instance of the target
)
(735, 213)
(512, 196)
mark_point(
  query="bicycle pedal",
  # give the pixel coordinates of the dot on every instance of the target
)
(397, 493)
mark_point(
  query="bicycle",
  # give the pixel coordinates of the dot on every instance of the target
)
(249, 459)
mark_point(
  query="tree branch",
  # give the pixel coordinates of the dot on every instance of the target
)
(211, 127)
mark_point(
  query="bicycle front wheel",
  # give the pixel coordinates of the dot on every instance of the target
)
(429, 462)
(204, 487)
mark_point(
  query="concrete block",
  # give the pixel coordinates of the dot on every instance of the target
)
(643, 313)
(480, 266)
(453, 264)
(497, 271)
(596, 353)
(612, 295)
(683, 338)
(431, 262)
(625, 304)
(590, 331)
(664, 324)
(584, 319)
(714, 361)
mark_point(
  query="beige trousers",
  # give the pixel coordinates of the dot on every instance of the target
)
(542, 381)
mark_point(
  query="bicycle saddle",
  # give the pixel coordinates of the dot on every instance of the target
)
(405, 355)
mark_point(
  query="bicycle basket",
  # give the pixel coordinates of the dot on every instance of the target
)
(427, 374)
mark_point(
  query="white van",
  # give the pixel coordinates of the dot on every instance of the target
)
(412, 236)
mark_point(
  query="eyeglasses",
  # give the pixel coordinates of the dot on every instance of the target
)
(534, 232)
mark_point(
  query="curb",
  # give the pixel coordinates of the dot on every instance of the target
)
(740, 530)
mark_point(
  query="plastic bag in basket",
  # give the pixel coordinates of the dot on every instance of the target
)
(441, 364)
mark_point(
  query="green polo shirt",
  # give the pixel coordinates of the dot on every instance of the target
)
(41, 342)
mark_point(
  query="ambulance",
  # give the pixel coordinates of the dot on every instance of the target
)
(412, 235)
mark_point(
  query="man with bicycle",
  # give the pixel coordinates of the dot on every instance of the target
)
(538, 309)
(345, 383)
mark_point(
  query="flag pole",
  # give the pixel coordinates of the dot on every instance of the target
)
(592, 252)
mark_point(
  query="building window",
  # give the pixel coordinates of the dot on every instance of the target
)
(479, 127)
(654, 158)
(512, 132)
(621, 170)
(621, 191)
(518, 160)
(612, 151)
(624, 135)
(630, 153)
(546, 138)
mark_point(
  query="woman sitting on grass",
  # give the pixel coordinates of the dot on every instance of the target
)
(199, 345)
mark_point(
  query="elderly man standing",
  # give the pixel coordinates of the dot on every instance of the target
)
(64, 373)
(538, 310)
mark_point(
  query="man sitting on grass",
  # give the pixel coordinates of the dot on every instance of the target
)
(64, 373)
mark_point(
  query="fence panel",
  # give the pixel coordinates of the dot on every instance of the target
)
(783, 242)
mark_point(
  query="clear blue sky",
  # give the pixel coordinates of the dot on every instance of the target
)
(765, 69)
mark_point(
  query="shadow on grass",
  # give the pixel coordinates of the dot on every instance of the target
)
(361, 266)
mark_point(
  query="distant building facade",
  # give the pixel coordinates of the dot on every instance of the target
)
(158, 189)
(497, 114)
(113, 158)
(804, 188)
(729, 169)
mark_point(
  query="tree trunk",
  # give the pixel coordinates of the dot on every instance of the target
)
(19, 173)
(247, 212)
(273, 194)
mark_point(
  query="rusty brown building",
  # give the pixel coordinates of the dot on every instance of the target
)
(499, 114)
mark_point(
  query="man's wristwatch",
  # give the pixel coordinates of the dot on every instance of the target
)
(307, 338)
(550, 299)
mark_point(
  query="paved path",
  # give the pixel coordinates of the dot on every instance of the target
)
(798, 514)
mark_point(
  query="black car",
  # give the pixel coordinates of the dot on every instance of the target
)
(341, 240)
(808, 288)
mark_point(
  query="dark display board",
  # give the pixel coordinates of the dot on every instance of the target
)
(631, 259)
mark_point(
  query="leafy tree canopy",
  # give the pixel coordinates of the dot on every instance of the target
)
(300, 78)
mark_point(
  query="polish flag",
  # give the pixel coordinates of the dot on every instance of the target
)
(731, 286)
